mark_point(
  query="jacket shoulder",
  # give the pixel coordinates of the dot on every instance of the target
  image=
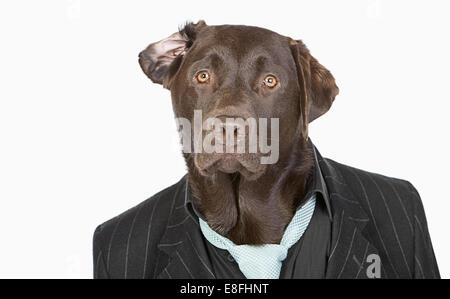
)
(376, 189)
(397, 221)
(136, 231)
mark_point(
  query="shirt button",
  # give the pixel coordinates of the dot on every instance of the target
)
(230, 258)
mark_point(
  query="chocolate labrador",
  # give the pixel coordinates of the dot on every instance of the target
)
(244, 72)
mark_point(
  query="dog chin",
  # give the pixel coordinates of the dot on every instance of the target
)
(248, 165)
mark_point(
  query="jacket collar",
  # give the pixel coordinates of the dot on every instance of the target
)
(349, 250)
(317, 183)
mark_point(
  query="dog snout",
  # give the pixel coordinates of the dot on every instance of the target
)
(231, 128)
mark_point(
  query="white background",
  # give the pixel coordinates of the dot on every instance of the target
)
(84, 135)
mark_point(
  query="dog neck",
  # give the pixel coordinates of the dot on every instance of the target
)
(257, 211)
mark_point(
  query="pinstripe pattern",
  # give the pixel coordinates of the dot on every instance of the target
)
(128, 241)
(393, 226)
(372, 214)
(374, 221)
(389, 204)
(338, 237)
(148, 240)
(202, 260)
(361, 265)
(184, 265)
(110, 243)
(401, 204)
(348, 254)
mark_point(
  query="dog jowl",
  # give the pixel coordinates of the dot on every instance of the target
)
(243, 98)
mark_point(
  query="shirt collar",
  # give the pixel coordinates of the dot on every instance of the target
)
(316, 185)
(249, 257)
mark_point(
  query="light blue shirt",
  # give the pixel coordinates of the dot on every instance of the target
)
(264, 261)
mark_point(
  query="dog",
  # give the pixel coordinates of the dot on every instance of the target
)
(244, 72)
(231, 192)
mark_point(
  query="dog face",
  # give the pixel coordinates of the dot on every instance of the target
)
(240, 73)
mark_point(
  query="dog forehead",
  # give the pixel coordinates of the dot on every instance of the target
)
(240, 41)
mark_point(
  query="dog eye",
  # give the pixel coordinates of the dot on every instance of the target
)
(203, 77)
(270, 81)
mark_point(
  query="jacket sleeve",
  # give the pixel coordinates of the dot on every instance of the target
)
(425, 265)
(100, 270)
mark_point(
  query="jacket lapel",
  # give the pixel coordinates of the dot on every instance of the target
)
(182, 232)
(351, 254)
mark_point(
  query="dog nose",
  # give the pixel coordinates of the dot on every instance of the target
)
(230, 127)
(232, 131)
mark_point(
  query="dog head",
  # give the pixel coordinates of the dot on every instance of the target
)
(240, 73)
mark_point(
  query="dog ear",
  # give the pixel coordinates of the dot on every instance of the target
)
(317, 83)
(157, 60)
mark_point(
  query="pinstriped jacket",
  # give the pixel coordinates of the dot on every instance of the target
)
(379, 229)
